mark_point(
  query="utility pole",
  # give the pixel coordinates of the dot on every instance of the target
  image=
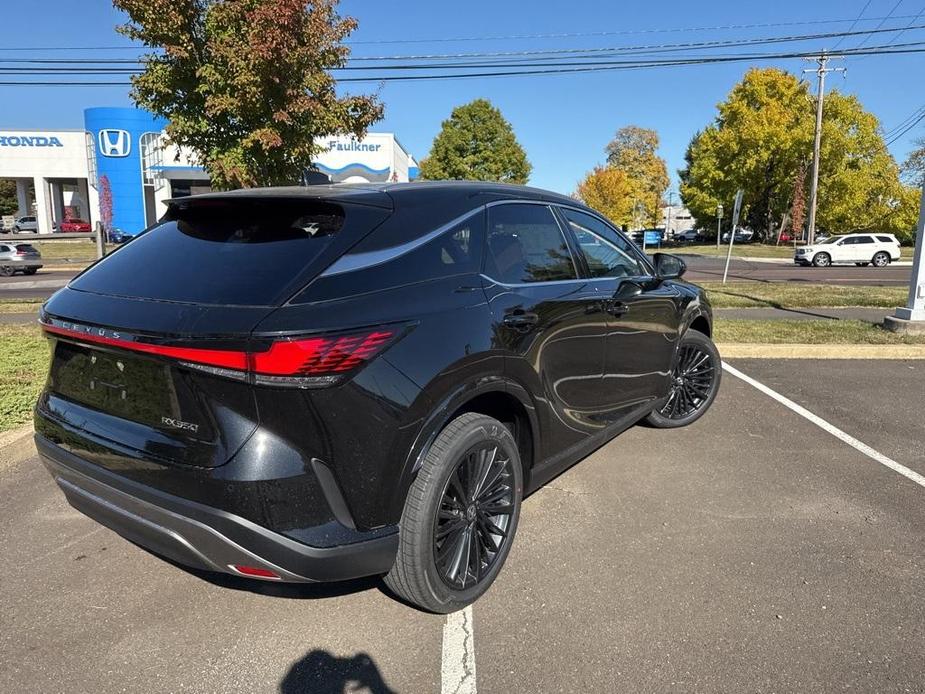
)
(668, 222)
(821, 71)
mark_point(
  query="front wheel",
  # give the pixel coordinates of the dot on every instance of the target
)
(822, 260)
(881, 259)
(460, 516)
(695, 379)
(6, 271)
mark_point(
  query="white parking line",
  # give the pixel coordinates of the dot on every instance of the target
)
(457, 673)
(830, 428)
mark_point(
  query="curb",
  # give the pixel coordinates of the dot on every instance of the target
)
(819, 351)
(16, 446)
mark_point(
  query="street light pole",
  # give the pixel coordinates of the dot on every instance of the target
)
(719, 220)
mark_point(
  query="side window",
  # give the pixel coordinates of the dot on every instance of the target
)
(884, 239)
(850, 241)
(4, 249)
(525, 244)
(863, 239)
(457, 251)
(607, 254)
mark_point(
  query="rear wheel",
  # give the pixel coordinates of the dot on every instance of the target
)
(862, 264)
(881, 259)
(30, 270)
(460, 516)
(822, 260)
(695, 379)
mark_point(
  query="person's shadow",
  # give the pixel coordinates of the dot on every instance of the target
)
(319, 672)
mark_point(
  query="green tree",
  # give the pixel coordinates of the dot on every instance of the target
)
(762, 138)
(246, 84)
(476, 143)
(611, 192)
(634, 150)
(8, 202)
(913, 168)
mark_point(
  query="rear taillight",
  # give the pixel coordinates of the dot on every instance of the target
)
(302, 362)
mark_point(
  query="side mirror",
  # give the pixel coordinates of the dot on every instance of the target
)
(668, 266)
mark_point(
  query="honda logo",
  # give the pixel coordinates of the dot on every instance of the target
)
(115, 143)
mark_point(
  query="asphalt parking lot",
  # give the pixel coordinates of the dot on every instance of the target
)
(753, 551)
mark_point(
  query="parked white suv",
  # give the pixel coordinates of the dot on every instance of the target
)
(861, 249)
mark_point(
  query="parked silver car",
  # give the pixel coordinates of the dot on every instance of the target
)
(19, 257)
(25, 224)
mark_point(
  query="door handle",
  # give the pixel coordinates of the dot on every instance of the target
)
(520, 319)
(617, 308)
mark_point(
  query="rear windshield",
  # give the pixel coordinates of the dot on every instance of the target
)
(241, 252)
(25, 248)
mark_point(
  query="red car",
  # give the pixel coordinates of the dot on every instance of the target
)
(74, 225)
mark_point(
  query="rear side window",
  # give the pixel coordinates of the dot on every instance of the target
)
(244, 252)
(525, 244)
(456, 251)
(886, 239)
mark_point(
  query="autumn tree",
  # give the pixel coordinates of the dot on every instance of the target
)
(8, 201)
(246, 84)
(634, 150)
(476, 143)
(611, 192)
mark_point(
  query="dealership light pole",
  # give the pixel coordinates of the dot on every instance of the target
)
(911, 318)
(719, 221)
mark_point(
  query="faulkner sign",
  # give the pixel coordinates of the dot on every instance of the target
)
(29, 141)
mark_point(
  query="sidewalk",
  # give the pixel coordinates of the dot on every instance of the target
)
(871, 315)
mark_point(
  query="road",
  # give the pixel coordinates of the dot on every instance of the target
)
(753, 551)
(702, 268)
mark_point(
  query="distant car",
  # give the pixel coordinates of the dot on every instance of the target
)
(861, 249)
(25, 224)
(74, 225)
(19, 257)
(118, 236)
(688, 236)
(741, 236)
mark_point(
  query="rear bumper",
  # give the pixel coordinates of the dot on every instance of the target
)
(200, 536)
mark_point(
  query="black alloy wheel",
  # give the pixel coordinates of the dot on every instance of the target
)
(694, 382)
(460, 516)
(474, 516)
(691, 382)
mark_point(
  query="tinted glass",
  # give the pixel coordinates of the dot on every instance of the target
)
(885, 239)
(863, 239)
(26, 248)
(242, 252)
(4, 249)
(457, 251)
(525, 244)
(606, 253)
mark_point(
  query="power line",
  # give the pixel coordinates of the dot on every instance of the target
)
(882, 22)
(899, 135)
(904, 121)
(572, 67)
(853, 24)
(914, 20)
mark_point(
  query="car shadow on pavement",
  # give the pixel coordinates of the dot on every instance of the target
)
(320, 672)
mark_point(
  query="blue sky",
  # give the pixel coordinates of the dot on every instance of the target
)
(563, 121)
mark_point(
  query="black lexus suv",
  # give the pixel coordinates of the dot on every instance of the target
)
(335, 381)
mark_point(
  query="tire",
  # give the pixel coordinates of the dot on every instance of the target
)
(6, 271)
(881, 259)
(822, 260)
(30, 270)
(699, 368)
(427, 567)
(862, 264)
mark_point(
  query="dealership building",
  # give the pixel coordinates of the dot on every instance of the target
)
(61, 174)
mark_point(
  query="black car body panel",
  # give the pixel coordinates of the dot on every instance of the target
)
(479, 316)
